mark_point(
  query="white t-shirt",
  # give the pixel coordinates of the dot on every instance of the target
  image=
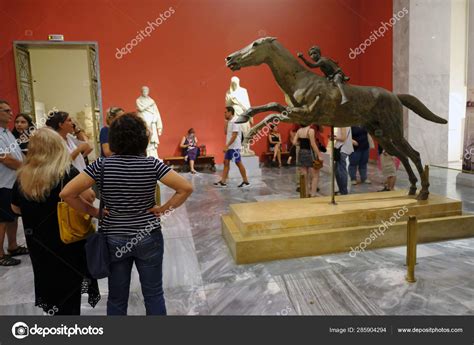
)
(231, 128)
(8, 145)
(71, 142)
(346, 146)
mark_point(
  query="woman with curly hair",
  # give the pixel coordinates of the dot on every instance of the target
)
(132, 221)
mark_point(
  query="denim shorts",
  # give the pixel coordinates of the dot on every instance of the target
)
(233, 155)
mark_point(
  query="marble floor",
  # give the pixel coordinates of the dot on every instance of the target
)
(200, 277)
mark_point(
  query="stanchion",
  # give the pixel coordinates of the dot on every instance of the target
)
(412, 226)
(333, 176)
(302, 186)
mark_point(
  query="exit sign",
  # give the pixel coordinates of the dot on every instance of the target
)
(56, 38)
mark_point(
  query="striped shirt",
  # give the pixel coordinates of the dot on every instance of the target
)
(129, 191)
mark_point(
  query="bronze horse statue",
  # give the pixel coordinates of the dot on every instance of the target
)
(312, 99)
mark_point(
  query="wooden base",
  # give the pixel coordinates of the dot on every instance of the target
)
(283, 229)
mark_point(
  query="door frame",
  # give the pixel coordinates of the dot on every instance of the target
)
(75, 44)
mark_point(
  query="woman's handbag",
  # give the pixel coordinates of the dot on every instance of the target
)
(73, 225)
(321, 147)
(97, 249)
(317, 163)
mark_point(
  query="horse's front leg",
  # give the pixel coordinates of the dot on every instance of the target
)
(251, 112)
(262, 129)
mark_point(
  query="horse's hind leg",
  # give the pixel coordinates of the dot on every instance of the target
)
(414, 155)
(395, 151)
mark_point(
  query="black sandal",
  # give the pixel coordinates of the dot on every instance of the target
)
(20, 250)
(7, 260)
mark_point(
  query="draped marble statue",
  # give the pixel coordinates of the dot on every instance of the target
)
(148, 110)
(238, 98)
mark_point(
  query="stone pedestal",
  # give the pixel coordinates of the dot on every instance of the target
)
(252, 165)
(292, 228)
(465, 179)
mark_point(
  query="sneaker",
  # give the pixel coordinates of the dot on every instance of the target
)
(367, 182)
(220, 184)
(353, 182)
(243, 184)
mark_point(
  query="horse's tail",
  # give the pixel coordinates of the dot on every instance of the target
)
(414, 104)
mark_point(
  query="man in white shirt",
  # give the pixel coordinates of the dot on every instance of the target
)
(343, 137)
(232, 150)
(11, 159)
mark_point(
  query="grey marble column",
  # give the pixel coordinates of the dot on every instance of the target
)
(401, 66)
(421, 67)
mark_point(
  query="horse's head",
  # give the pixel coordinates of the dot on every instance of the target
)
(252, 55)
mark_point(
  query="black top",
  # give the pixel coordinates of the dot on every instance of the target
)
(360, 135)
(59, 269)
(305, 144)
(276, 140)
(22, 142)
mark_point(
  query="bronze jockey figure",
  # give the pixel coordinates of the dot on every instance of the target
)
(329, 67)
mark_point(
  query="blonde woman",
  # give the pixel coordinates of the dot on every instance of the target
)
(60, 270)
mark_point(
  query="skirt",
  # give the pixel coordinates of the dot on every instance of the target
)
(305, 158)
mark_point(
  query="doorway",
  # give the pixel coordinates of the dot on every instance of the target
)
(61, 76)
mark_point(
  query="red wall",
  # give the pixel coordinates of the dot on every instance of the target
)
(183, 60)
(375, 65)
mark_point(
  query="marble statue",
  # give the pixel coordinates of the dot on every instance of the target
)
(148, 110)
(238, 98)
(313, 99)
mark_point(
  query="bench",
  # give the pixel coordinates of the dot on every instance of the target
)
(268, 156)
(201, 162)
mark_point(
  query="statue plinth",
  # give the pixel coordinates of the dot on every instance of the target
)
(252, 166)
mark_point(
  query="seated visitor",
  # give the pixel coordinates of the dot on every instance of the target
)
(190, 149)
(62, 123)
(23, 130)
(274, 140)
(59, 270)
(129, 184)
(112, 113)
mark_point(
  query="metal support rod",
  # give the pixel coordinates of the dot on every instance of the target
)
(333, 175)
(302, 186)
(412, 227)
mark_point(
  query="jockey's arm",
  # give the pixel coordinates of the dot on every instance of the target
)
(309, 63)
